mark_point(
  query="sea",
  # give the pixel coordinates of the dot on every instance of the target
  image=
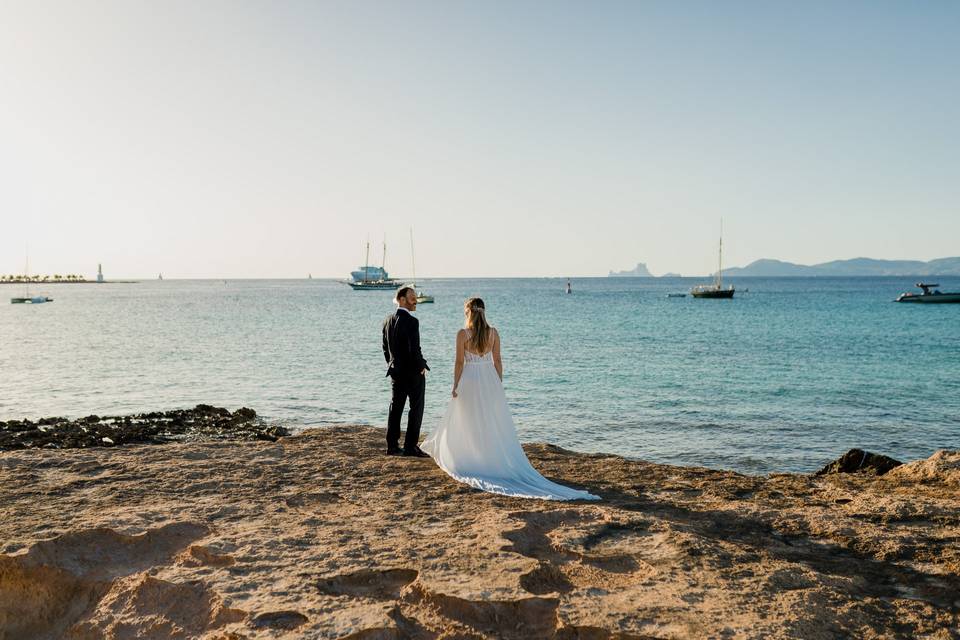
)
(785, 377)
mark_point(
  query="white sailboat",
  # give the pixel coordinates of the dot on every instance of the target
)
(27, 298)
(422, 298)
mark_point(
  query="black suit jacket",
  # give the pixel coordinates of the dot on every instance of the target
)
(401, 345)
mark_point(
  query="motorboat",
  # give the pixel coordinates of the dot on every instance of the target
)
(929, 297)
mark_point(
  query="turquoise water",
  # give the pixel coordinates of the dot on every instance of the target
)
(783, 378)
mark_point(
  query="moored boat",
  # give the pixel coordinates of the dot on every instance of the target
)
(31, 300)
(374, 285)
(422, 297)
(716, 289)
(928, 296)
(373, 278)
(27, 298)
(711, 291)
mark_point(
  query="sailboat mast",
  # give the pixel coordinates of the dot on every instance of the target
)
(26, 275)
(413, 261)
(720, 259)
(366, 263)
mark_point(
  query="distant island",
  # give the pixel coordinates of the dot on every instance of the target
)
(852, 267)
(640, 271)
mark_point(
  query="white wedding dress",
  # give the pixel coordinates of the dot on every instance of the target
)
(476, 441)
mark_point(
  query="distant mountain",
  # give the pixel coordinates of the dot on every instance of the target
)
(640, 271)
(853, 267)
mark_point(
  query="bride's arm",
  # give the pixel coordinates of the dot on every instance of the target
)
(458, 364)
(497, 362)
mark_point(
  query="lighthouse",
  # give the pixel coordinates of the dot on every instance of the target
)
(99, 273)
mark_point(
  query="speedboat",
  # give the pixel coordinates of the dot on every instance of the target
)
(928, 296)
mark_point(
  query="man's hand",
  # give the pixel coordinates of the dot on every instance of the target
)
(424, 372)
(454, 393)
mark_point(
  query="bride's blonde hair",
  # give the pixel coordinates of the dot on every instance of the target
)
(475, 313)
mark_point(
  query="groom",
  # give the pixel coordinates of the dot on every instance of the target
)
(408, 372)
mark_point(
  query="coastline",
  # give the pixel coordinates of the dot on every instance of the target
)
(49, 282)
(320, 535)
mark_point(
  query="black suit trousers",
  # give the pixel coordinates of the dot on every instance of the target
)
(404, 387)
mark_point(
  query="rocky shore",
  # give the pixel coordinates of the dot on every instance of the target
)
(203, 422)
(319, 535)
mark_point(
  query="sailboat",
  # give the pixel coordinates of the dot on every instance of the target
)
(716, 289)
(27, 298)
(422, 298)
(362, 280)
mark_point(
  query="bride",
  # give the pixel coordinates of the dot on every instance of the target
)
(476, 441)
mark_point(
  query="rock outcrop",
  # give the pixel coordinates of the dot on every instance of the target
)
(860, 461)
(203, 422)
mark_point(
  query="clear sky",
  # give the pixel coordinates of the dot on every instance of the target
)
(270, 139)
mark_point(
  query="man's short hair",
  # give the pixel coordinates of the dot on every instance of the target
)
(402, 293)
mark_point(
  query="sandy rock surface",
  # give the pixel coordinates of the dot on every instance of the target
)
(321, 536)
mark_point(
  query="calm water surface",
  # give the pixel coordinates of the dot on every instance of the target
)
(783, 378)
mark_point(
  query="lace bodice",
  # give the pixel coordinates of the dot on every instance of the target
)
(469, 357)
